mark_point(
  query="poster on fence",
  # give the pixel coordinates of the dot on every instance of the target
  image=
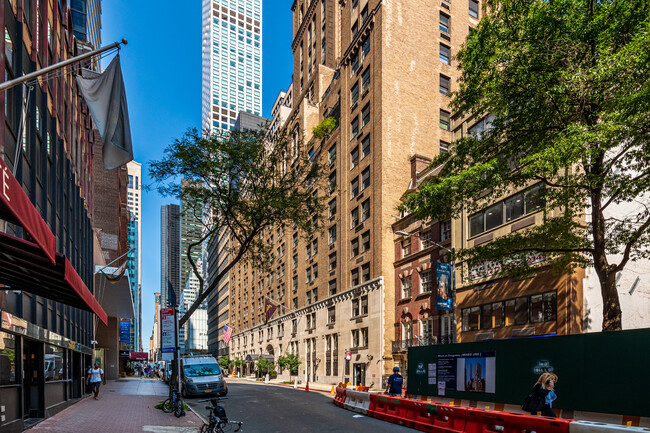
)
(470, 372)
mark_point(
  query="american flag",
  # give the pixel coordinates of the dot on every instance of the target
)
(227, 333)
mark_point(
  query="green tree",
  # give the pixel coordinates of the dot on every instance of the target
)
(241, 183)
(324, 128)
(238, 363)
(289, 361)
(568, 84)
(264, 366)
(224, 362)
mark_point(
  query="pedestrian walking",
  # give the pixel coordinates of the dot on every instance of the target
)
(95, 378)
(395, 382)
(542, 396)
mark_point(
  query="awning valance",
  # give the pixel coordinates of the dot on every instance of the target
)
(24, 267)
(16, 207)
(254, 357)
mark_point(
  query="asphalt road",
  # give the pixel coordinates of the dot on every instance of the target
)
(269, 408)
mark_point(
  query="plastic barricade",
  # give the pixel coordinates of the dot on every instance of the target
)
(383, 407)
(485, 421)
(340, 396)
(440, 418)
(599, 427)
(357, 401)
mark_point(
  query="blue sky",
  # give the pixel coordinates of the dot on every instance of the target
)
(162, 70)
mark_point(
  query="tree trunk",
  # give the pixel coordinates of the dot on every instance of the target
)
(611, 305)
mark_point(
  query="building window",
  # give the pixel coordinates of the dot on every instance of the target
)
(425, 239)
(354, 217)
(365, 242)
(473, 8)
(355, 29)
(406, 287)
(445, 230)
(295, 261)
(295, 305)
(354, 187)
(354, 277)
(331, 315)
(444, 23)
(295, 240)
(364, 305)
(332, 182)
(332, 234)
(365, 178)
(444, 120)
(365, 80)
(365, 210)
(406, 247)
(354, 128)
(444, 147)
(332, 261)
(445, 85)
(481, 127)
(365, 146)
(445, 54)
(365, 272)
(332, 154)
(365, 46)
(365, 115)
(354, 247)
(354, 94)
(8, 366)
(294, 286)
(407, 330)
(354, 157)
(355, 64)
(332, 208)
(332, 287)
(425, 281)
(356, 311)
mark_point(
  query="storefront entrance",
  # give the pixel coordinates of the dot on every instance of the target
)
(359, 374)
(33, 379)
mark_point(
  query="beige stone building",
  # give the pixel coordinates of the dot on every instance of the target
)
(383, 69)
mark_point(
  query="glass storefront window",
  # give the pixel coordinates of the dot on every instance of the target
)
(521, 311)
(7, 358)
(510, 312)
(54, 363)
(536, 309)
(486, 316)
(497, 314)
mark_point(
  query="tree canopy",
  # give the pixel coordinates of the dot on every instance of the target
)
(240, 184)
(566, 84)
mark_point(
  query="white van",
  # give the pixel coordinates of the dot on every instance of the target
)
(202, 375)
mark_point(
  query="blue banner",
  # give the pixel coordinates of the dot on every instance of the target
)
(125, 331)
(443, 278)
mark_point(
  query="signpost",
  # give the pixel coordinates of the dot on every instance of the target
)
(167, 333)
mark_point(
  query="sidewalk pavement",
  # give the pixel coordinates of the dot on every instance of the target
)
(125, 405)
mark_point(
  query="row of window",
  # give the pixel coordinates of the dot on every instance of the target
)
(519, 311)
(425, 284)
(425, 238)
(365, 119)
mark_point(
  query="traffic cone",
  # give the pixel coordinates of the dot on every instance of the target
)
(333, 392)
(307, 387)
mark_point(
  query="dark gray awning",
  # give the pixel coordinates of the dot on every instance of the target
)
(253, 358)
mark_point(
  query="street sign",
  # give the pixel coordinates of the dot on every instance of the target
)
(167, 330)
(124, 353)
(125, 331)
(348, 356)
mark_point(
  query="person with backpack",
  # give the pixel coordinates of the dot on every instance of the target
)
(542, 396)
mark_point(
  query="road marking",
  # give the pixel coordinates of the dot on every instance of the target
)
(358, 416)
(167, 429)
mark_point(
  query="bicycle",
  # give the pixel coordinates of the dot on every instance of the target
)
(218, 421)
(174, 403)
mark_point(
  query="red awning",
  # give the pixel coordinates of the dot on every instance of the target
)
(139, 356)
(16, 207)
(23, 267)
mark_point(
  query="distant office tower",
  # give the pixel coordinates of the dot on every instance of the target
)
(134, 188)
(86, 21)
(232, 61)
(170, 281)
(193, 335)
(191, 232)
(154, 341)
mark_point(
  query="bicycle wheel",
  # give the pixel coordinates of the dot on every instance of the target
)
(178, 409)
(168, 406)
(206, 428)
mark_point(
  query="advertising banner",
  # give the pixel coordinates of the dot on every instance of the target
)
(473, 372)
(125, 331)
(167, 330)
(444, 295)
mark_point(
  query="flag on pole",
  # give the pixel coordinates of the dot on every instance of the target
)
(269, 309)
(117, 276)
(227, 333)
(106, 99)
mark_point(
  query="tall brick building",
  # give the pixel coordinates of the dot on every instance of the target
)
(383, 70)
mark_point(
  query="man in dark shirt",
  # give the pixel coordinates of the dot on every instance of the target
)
(395, 382)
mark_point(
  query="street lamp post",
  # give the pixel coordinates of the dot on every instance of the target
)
(453, 279)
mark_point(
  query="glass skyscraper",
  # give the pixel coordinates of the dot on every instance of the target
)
(232, 61)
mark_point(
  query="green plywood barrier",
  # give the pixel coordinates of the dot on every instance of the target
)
(607, 372)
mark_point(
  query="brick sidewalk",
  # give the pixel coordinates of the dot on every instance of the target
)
(126, 405)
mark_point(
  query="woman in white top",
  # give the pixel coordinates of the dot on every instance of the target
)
(95, 378)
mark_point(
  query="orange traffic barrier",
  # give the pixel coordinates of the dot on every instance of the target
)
(479, 421)
(339, 398)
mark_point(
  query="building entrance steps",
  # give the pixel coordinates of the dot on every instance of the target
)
(124, 405)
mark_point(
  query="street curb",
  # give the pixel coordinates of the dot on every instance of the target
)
(205, 421)
(285, 385)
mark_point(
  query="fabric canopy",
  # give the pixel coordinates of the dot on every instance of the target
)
(23, 267)
(114, 297)
(255, 357)
(105, 96)
(16, 207)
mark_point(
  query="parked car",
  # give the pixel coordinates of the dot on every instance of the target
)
(202, 375)
(167, 372)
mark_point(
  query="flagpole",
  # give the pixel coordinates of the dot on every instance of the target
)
(130, 249)
(11, 83)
